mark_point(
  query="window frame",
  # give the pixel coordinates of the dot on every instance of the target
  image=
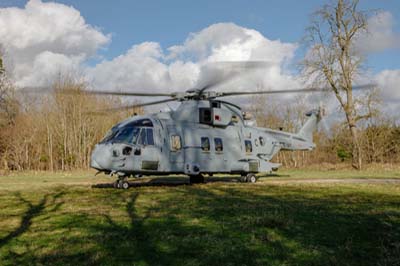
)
(202, 116)
(172, 139)
(202, 146)
(215, 145)
(246, 141)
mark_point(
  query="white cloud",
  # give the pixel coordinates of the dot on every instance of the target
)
(389, 82)
(44, 38)
(229, 42)
(380, 35)
(146, 66)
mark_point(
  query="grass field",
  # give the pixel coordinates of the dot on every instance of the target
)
(294, 218)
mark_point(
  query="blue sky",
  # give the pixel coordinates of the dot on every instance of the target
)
(170, 22)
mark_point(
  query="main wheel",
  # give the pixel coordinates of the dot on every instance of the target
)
(196, 179)
(125, 185)
(251, 178)
(243, 178)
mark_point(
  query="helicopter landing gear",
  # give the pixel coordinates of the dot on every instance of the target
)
(121, 182)
(249, 178)
(196, 179)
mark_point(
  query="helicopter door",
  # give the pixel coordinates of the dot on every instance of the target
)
(219, 159)
(149, 153)
(176, 152)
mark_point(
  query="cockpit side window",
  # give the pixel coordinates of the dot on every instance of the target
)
(145, 137)
(150, 136)
(124, 135)
(142, 137)
(110, 134)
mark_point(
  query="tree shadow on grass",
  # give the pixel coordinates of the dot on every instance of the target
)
(147, 238)
(199, 225)
(33, 210)
(166, 240)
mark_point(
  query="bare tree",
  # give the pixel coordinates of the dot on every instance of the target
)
(333, 59)
(8, 103)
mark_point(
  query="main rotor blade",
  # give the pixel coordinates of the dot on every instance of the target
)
(122, 93)
(307, 90)
(244, 66)
(41, 90)
(126, 107)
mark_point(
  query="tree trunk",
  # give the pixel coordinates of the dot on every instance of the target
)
(356, 149)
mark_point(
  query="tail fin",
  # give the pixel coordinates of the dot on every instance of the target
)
(311, 124)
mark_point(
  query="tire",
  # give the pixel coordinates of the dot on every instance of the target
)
(125, 185)
(243, 178)
(251, 178)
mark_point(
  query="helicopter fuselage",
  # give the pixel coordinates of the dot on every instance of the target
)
(200, 137)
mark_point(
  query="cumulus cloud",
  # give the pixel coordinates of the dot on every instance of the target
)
(142, 68)
(43, 38)
(380, 35)
(229, 42)
(389, 82)
(180, 67)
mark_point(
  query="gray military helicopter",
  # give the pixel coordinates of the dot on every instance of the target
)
(205, 135)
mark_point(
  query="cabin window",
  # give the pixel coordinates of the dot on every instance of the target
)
(262, 141)
(216, 104)
(248, 146)
(205, 144)
(218, 144)
(176, 144)
(205, 115)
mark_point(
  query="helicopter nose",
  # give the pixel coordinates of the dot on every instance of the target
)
(100, 157)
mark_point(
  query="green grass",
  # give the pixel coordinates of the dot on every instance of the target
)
(59, 219)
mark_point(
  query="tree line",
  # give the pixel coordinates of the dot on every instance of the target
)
(57, 131)
(54, 130)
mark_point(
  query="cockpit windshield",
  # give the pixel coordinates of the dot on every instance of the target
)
(136, 132)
